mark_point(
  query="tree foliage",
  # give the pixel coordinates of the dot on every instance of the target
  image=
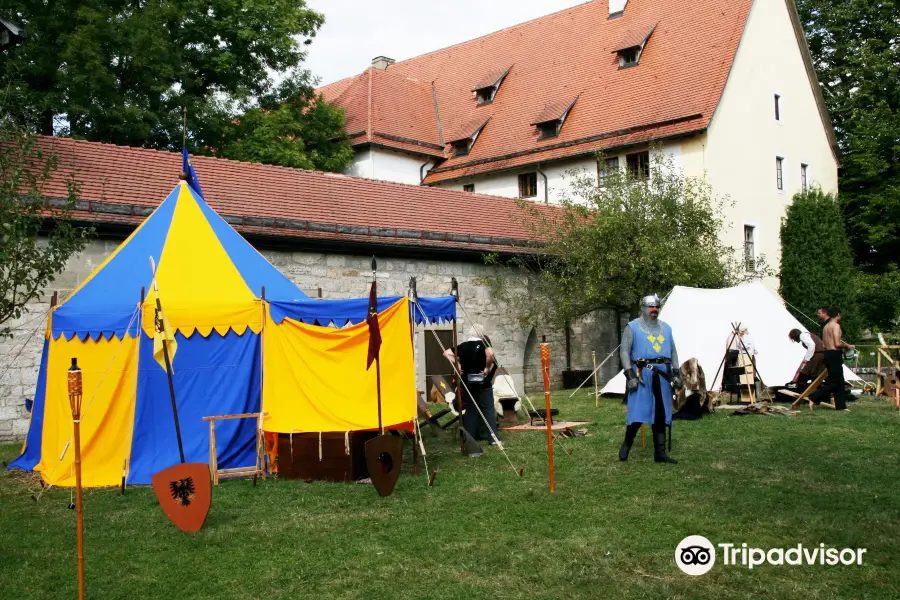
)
(816, 260)
(122, 71)
(295, 128)
(878, 299)
(29, 261)
(605, 247)
(855, 45)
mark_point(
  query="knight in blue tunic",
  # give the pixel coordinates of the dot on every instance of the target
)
(651, 367)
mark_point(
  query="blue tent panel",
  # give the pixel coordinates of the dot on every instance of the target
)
(216, 375)
(354, 310)
(32, 455)
(253, 267)
(108, 301)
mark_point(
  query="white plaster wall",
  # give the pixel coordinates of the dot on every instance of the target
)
(361, 165)
(744, 138)
(503, 184)
(559, 176)
(386, 165)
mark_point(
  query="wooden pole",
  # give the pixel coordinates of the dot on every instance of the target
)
(75, 395)
(377, 362)
(160, 327)
(460, 402)
(545, 367)
(878, 374)
(596, 391)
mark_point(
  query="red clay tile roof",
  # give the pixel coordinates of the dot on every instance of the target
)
(554, 111)
(635, 37)
(491, 79)
(468, 129)
(391, 111)
(674, 89)
(120, 184)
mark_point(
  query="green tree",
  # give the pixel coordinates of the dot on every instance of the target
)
(122, 71)
(605, 247)
(878, 299)
(816, 260)
(855, 45)
(295, 128)
(32, 251)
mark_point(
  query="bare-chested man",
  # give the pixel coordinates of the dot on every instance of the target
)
(834, 361)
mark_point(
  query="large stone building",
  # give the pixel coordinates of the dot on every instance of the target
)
(726, 88)
(321, 230)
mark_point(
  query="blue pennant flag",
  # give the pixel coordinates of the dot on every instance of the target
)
(187, 166)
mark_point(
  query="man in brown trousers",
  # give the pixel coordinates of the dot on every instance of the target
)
(813, 360)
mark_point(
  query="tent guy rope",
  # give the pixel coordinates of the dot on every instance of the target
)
(483, 418)
(569, 449)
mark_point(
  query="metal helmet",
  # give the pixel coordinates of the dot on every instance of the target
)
(648, 301)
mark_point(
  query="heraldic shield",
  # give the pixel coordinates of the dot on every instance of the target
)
(184, 492)
(384, 457)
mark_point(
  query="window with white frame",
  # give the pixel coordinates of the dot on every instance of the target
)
(804, 173)
(779, 173)
(749, 248)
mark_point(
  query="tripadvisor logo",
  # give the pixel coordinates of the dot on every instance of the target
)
(696, 555)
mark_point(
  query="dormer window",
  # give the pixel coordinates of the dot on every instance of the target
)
(548, 130)
(465, 138)
(486, 95)
(486, 89)
(550, 121)
(629, 57)
(631, 47)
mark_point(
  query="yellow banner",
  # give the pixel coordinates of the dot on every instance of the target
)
(315, 378)
(164, 342)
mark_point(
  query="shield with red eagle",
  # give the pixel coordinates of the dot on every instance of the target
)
(184, 492)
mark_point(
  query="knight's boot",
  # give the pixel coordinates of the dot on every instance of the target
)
(659, 447)
(630, 433)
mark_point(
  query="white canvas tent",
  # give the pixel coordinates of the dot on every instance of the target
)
(701, 325)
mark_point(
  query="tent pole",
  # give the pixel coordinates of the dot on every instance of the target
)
(262, 374)
(161, 328)
(454, 291)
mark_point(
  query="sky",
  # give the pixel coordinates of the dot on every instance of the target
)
(356, 31)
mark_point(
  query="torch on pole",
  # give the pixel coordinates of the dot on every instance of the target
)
(75, 395)
(545, 367)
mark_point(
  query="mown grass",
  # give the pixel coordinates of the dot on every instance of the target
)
(609, 531)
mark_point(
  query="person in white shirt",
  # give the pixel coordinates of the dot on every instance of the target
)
(811, 365)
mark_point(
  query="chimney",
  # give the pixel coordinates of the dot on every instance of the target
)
(382, 62)
(616, 7)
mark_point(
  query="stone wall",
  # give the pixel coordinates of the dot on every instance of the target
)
(338, 276)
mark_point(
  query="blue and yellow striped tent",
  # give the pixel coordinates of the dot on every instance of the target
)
(210, 285)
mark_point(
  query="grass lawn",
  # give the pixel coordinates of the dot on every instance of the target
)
(609, 531)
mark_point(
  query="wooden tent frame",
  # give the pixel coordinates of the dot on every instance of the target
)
(749, 370)
(893, 364)
(255, 470)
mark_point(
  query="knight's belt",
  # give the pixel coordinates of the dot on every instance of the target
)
(641, 362)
